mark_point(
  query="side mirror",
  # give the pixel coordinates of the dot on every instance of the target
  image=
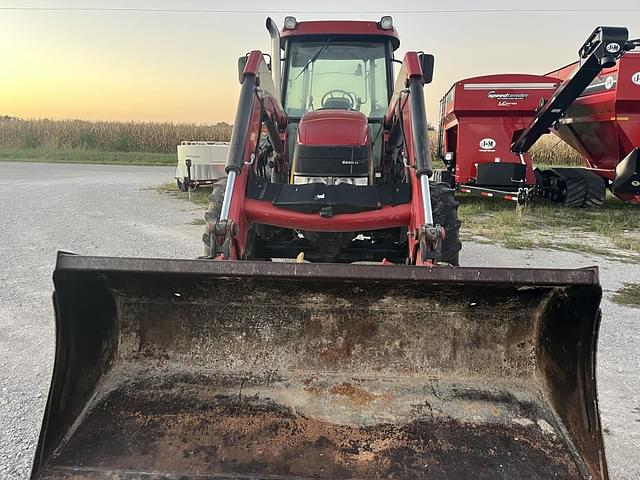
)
(242, 61)
(427, 62)
(267, 60)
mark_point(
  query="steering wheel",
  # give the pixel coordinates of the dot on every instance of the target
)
(337, 93)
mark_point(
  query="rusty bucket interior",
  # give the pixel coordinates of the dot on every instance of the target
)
(176, 369)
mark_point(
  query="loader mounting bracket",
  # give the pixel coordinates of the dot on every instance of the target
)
(224, 231)
(431, 237)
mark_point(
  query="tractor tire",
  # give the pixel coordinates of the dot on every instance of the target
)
(445, 214)
(443, 176)
(212, 214)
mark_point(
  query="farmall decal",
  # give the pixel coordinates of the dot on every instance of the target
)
(507, 99)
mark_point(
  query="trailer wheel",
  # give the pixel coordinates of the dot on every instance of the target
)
(212, 214)
(445, 213)
(182, 185)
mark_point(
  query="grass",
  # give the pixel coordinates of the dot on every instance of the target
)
(612, 230)
(86, 156)
(199, 196)
(628, 295)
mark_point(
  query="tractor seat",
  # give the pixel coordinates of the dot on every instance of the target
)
(336, 103)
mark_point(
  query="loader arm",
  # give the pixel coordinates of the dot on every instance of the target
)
(601, 50)
(406, 122)
(257, 105)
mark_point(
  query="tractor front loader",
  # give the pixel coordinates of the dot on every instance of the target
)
(341, 174)
(369, 356)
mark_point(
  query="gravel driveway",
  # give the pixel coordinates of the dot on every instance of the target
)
(110, 210)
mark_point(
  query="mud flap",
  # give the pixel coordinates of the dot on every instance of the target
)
(170, 369)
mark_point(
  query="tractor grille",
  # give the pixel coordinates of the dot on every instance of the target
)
(335, 161)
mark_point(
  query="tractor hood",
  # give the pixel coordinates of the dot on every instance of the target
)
(333, 127)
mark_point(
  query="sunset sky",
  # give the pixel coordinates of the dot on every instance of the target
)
(181, 66)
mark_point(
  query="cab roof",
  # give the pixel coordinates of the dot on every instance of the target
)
(325, 28)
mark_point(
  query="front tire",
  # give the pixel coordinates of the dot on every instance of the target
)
(212, 214)
(445, 214)
(443, 176)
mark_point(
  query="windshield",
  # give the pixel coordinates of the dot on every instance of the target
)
(337, 74)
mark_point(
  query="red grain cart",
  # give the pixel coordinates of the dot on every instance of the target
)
(478, 118)
(603, 125)
(488, 124)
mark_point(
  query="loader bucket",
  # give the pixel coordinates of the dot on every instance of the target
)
(179, 369)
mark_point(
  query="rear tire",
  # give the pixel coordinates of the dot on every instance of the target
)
(445, 214)
(212, 214)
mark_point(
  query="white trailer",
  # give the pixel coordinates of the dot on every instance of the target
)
(200, 163)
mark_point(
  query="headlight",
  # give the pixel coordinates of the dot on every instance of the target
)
(298, 180)
(359, 181)
(339, 180)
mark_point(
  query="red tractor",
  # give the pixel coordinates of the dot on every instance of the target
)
(171, 368)
(329, 158)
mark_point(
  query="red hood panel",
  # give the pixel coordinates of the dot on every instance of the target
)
(333, 127)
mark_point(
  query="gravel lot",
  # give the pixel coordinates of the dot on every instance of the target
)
(109, 210)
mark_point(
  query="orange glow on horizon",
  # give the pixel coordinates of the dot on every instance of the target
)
(182, 67)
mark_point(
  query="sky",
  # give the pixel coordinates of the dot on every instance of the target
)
(182, 66)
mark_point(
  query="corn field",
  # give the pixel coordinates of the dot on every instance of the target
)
(105, 136)
(550, 150)
(164, 137)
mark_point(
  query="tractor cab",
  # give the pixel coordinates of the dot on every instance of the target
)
(337, 74)
(335, 89)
